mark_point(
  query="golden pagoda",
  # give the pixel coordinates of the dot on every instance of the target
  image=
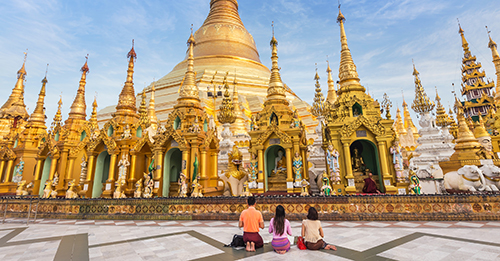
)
(357, 130)
(474, 87)
(442, 119)
(279, 137)
(224, 45)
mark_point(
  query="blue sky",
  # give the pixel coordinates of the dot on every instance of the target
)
(384, 37)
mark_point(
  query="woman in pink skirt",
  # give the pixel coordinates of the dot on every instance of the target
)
(280, 227)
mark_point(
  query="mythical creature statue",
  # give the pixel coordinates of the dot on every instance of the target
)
(297, 170)
(83, 171)
(246, 192)
(48, 191)
(235, 175)
(254, 169)
(492, 176)
(18, 173)
(183, 187)
(414, 187)
(467, 178)
(304, 189)
(148, 181)
(120, 186)
(326, 189)
(73, 189)
(22, 189)
(197, 187)
(138, 189)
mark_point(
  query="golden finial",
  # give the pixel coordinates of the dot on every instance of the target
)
(126, 100)
(318, 106)
(387, 104)
(22, 72)
(226, 109)
(276, 88)
(58, 117)
(93, 116)
(442, 119)
(274, 42)
(153, 120)
(479, 130)
(422, 104)
(79, 107)
(142, 108)
(189, 89)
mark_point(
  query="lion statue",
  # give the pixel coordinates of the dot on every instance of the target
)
(491, 176)
(48, 191)
(73, 189)
(235, 176)
(22, 188)
(467, 178)
(120, 186)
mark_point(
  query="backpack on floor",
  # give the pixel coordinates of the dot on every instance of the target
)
(237, 241)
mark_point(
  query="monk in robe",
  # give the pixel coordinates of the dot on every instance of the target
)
(370, 185)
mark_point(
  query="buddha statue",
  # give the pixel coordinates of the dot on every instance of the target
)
(484, 138)
(357, 161)
(280, 163)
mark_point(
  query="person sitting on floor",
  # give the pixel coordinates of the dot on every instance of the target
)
(313, 233)
(370, 185)
(251, 220)
(280, 227)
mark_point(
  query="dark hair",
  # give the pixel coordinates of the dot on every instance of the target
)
(251, 201)
(312, 214)
(279, 220)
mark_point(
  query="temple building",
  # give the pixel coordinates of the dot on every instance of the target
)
(357, 130)
(476, 90)
(224, 49)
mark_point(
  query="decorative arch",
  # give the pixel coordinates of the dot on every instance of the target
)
(377, 128)
(273, 129)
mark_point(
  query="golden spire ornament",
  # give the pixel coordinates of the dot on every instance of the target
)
(79, 107)
(153, 120)
(332, 93)
(276, 88)
(318, 106)
(496, 61)
(189, 89)
(93, 116)
(422, 104)
(58, 117)
(442, 119)
(14, 106)
(38, 116)
(226, 109)
(143, 112)
(386, 105)
(126, 102)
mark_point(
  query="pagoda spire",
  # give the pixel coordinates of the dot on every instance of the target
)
(475, 87)
(332, 93)
(93, 116)
(349, 79)
(189, 90)
(226, 109)
(496, 61)
(143, 110)
(422, 104)
(465, 140)
(318, 106)
(58, 117)
(276, 88)
(79, 107)
(238, 127)
(126, 101)
(399, 126)
(153, 120)
(442, 119)
(14, 106)
(38, 116)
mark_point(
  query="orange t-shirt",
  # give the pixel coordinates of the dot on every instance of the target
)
(251, 219)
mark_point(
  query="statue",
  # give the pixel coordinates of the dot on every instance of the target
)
(253, 124)
(414, 184)
(120, 186)
(326, 189)
(18, 174)
(22, 189)
(161, 129)
(280, 163)
(335, 176)
(357, 161)
(211, 123)
(397, 160)
(83, 171)
(332, 156)
(254, 169)
(48, 191)
(182, 185)
(296, 121)
(297, 169)
(467, 178)
(195, 128)
(246, 193)
(151, 131)
(149, 181)
(73, 189)
(492, 176)
(122, 166)
(486, 151)
(195, 167)
(138, 189)
(304, 191)
(126, 133)
(197, 187)
(55, 182)
(235, 175)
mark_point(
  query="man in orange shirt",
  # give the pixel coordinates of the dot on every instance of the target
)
(251, 220)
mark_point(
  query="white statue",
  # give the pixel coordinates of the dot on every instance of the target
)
(122, 166)
(18, 174)
(83, 170)
(211, 122)
(492, 176)
(183, 187)
(151, 131)
(467, 178)
(126, 133)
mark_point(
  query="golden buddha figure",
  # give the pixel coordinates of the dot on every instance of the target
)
(280, 163)
(357, 161)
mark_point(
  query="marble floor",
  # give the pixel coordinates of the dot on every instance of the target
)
(204, 240)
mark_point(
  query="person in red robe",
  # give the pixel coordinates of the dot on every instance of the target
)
(370, 185)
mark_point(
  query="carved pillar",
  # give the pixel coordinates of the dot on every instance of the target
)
(159, 162)
(61, 168)
(2, 165)
(8, 172)
(53, 166)
(112, 166)
(305, 165)
(185, 163)
(133, 159)
(71, 164)
(38, 169)
(289, 170)
(260, 174)
(215, 174)
(90, 167)
(203, 164)
(351, 187)
(382, 149)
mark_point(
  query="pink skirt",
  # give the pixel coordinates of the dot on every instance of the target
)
(280, 244)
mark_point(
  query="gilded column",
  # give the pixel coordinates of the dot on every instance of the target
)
(185, 163)
(260, 167)
(90, 167)
(112, 165)
(133, 159)
(389, 188)
(214, 165)
(2, 165)
(38, 169)
(53, 166)
(289, 170)
(351, 187)
(159, 162)
(203, 163)
(8, 173)
(305, 167)
(71, 164)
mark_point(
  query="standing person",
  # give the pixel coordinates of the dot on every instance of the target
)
(313, 233)
(251, 220)
(280, 227)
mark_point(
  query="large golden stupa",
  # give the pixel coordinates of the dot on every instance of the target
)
(223, 46)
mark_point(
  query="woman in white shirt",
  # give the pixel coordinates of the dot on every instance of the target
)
(313, 233)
